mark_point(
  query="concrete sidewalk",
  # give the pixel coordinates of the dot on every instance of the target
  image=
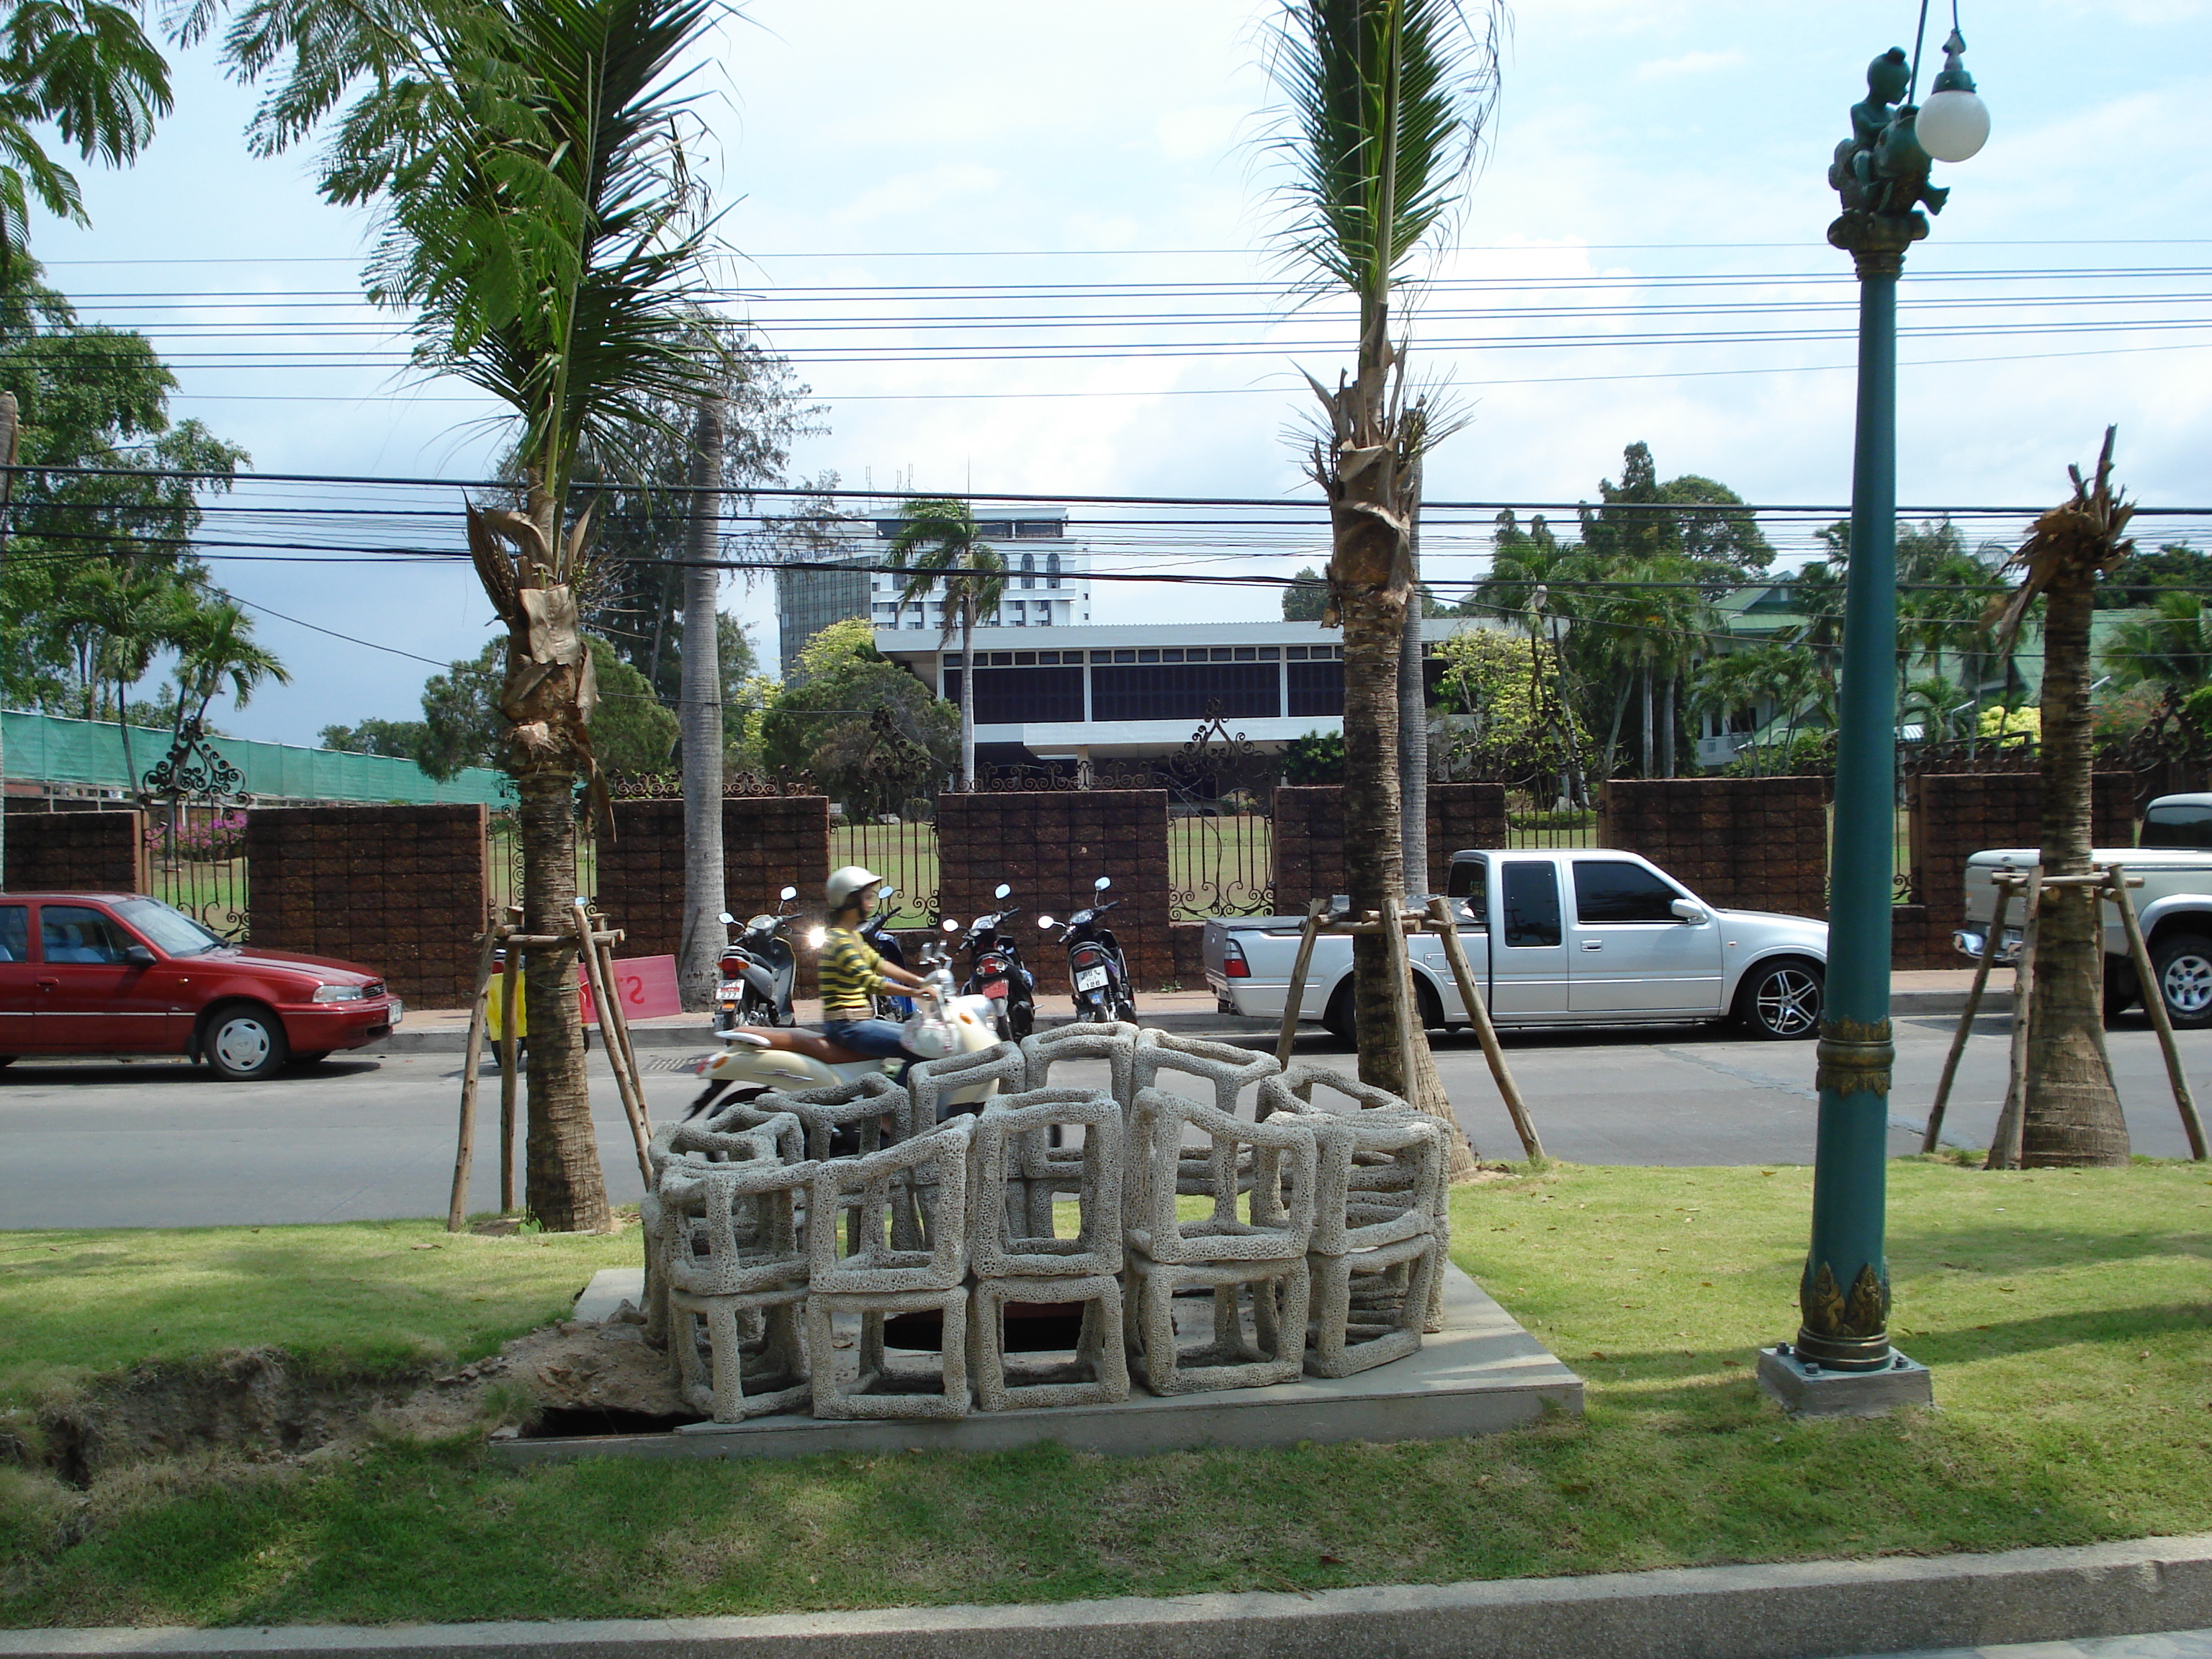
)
(1186, 1013)
(1791, 1611)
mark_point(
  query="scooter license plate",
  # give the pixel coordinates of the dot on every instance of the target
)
(1090, 979)
(995, 990)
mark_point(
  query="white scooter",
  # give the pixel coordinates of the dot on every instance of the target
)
(753, 1060)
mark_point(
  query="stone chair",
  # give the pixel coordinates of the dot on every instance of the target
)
(735, 1271)
(933, 1082)
(1098, 1375)
(1229, 1069)
(861, 1189)
(1049, 1167)
(737, 1134)
(865, 1105)
(1005, 1239)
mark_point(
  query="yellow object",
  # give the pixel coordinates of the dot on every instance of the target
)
(493, 994)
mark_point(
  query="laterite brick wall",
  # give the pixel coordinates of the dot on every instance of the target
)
(1309, 835)
(397, 889)
(1955, 816)
(1050, 846)
(76, 853)
(1744, 843)
(769, 842)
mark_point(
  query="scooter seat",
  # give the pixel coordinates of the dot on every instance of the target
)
(819, 1048)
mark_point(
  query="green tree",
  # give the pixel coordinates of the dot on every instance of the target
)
(399, 739)
(86, 68)
(1307, 598)
(1690, 518)
(867, 732)
(2171, 647)
(2138, 579)
(462, 726)
(941, 544)
(541, 222)
(1386, 105)
(631, 731)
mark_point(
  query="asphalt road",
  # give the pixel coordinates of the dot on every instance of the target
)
(160, 1144)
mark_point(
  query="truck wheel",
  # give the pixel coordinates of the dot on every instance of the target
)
(2120, 990)
(1336, 1020)
(2183, 962)
(1780, 1001)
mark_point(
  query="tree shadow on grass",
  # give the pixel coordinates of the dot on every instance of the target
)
(1997, 1250)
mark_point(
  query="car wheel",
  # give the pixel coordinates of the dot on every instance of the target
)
(1337, 1019)
(1781, 1001)
(2183, 963)
(243, 1042)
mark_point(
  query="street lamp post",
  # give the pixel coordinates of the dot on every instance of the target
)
(1841, 1361)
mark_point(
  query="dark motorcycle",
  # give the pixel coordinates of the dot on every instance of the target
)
(1096, 970)
(758, 969)
(995, 969)
(878, 937)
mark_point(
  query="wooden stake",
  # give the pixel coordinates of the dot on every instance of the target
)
(1478, 1013)
(625, 1083)
(1298, 989)
(2012, 1122)
(2154, 1001)
(510, 1058)
(2004, 889)
(618, 1031)
(457, 1207)
(1404, 1005)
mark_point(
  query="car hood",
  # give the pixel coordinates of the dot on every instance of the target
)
(1808, 925)
(329, 969)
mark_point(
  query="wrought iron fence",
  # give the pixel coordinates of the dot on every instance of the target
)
(196, 860)
(903, 852)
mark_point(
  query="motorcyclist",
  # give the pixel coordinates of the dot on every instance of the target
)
(852, 975)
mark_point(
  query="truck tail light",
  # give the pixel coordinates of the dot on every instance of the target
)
(1233, 965)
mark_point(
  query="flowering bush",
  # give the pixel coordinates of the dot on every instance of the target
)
(206, 839)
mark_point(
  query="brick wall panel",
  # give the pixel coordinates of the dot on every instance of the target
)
(76, 853)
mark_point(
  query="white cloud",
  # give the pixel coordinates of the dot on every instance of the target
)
(919, 193)
(1690, 63)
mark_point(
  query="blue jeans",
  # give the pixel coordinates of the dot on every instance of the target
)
(878, 1038)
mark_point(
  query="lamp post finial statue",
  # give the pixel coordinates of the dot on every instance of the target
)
(1841, 1362)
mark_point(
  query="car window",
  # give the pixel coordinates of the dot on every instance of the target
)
(1613, 890)
(177, 933)
(14, 932)
(1532, 903)
(1466, 883)
(2178, 823)
(74, 932)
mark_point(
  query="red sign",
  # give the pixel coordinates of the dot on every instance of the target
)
(645, 985)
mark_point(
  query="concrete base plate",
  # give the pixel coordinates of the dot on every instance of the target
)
(1815, 1391)
(1481, 1374)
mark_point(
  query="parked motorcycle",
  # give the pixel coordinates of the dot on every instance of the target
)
(877, 934)
(758, 969)
(995, 969)
(753, 1060)
(1096, 969)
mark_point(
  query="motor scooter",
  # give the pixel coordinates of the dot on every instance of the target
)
(995, 968)
(753, 1060)
(758, 969)
(877, 934)
(1096, 970)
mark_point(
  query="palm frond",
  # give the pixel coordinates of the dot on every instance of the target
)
(2077, 541)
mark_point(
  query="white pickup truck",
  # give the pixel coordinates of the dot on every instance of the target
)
(1585, 938)
(2174, 905)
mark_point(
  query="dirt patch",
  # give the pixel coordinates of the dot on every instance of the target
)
(261, 1405)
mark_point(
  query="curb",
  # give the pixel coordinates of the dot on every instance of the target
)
(1792, 1611)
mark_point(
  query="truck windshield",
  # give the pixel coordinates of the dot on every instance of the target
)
(1532, 903)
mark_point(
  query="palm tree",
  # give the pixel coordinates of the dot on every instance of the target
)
(2072, 1113)
(1387, 104)
(705, 873)
(541, 222)
(941, 544)
(117, 620)
(86, 67)
(215, 648)
(2171, 647)
(1654, 621)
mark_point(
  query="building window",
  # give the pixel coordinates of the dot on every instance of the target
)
(1247, 654)
(1316, 688)
(1170, 656)
(1029, 571)
(1170, 692)
(1148, 656)
(1052, 569)
(1033, 529)
(1029, 697)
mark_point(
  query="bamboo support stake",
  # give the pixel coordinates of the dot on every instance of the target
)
(1478, 1013)
(2012, 1122)
(618, 1031)
(457, 1207)
(1296, 993)
(2004, 888)
(2154, 1001)
(1404, 1005)
(633, 1104)
(510, 1058)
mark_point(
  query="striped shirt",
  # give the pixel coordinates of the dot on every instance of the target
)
(851, 974)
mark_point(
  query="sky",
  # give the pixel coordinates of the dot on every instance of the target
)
(899, 184)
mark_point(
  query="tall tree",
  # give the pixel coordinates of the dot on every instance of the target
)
(1387, 103)
(940, 542)
(1306, 598)
(705, 895)
(541, 222)
(2072, 1113)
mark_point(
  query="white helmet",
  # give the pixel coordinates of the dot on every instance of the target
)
(844, 882)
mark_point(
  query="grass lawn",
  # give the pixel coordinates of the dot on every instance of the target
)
(2068, 1316)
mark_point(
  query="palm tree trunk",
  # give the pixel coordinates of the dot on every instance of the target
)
(967, 694)
(705, 890)
(564, 1186)
(1651, 751)
(1666, 729)
(2073, 1116)
(1413, 711)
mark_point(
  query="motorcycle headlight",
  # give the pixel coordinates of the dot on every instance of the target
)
(337, 994)
(815, 936)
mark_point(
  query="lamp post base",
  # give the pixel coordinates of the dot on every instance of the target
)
(1807, 1389)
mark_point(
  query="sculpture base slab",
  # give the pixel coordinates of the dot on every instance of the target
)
(1482, 1374)
(1815, 1391)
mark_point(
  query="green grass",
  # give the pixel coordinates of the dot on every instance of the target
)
(2068, 1316)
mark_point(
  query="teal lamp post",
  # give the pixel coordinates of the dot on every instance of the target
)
(1841, 1361)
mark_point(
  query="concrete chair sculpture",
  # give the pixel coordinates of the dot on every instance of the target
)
(872, 1108)
(736, 1274)
(1021, 1270)
(1380, 1234)
(732, 1134)
(1261, 1259)
(1049, 1168)
(877, 1279)
(1229, 1071)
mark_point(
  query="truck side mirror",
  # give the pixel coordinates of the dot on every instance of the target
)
(1688, 911)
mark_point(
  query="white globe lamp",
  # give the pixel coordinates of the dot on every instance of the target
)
(1954, 124)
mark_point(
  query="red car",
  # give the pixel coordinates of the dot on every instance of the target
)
(123, 974)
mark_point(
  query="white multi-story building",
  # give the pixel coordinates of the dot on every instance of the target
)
(1048, 575)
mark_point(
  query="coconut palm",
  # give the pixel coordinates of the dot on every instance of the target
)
(2072, 1114)
(1387, 101)
(2171, 647)
(940, 542)
(541, 222)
